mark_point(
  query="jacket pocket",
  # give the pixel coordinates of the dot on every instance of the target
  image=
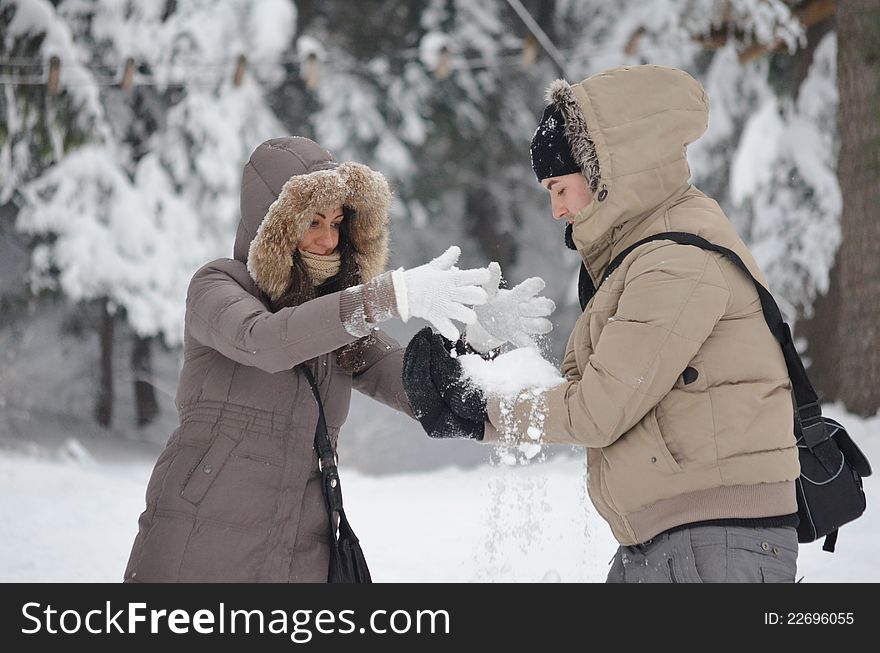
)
(692, 377)
(662, 448)
(202, 476)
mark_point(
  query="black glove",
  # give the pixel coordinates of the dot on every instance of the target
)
(462, 397)
(425, 399)
(461, 347)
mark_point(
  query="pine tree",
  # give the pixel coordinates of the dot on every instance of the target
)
(126, 218)
(52, 109)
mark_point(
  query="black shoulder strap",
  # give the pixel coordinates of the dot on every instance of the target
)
(326, 457)
(808, 413)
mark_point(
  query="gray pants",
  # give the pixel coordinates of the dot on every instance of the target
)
(710, 554)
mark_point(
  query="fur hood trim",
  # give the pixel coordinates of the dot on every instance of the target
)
(364, 191)
(582, 147)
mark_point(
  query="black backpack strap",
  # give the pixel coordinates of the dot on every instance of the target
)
(586, 289)
(830, 541)
(808, 414)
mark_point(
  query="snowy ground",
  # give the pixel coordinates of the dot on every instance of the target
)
(71, 519)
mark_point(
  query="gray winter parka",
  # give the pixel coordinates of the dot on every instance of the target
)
(235, 496)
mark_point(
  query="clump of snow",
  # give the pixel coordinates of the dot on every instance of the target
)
(308, 45)
(529, 449)
(74, 451)
(511, 373)
(431, 47)
(758, 151)
(762, 21)
(517, 376)
(270, 25)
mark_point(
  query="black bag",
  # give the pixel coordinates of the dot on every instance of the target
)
(829, 489)
(347, 561)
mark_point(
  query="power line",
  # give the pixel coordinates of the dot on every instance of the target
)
(188, 74)
(539, 34)
(151, 79)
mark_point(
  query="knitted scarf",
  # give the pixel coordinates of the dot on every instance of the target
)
(320, 267)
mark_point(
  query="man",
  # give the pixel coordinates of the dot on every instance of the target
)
(673, 382)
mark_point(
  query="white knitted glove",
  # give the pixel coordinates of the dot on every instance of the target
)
(513, 315)
(438, 292)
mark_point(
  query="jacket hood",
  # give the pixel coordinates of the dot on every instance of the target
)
(287, 180)
(628, 128)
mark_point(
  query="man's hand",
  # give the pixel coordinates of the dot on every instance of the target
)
(424, 397)
(513, 315)
(463, 397)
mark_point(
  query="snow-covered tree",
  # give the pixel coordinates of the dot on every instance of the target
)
(784, 184)
(37, 127)
(126, 219)
(50, 105)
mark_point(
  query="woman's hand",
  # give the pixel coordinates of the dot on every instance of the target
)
(438, 292)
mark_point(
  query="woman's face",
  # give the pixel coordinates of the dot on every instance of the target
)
(322, 236)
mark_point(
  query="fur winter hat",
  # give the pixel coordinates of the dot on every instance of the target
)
(561, 144)
(285, 182)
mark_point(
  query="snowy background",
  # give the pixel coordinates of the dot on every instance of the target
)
(70, 518)
(111, 196)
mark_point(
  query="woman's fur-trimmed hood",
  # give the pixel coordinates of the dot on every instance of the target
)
(285, 182)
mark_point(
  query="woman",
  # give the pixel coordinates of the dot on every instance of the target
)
(236, 494)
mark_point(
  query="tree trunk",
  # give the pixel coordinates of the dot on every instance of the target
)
(821, 332)
(821, 329)
(146, 404)
(858, 66)
(104, 403)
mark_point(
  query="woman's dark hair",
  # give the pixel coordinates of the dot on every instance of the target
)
(301, 289)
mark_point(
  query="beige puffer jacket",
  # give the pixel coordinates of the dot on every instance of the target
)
(664, 448)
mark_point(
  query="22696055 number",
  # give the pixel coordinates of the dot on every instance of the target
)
(820, 618)
(809, 618)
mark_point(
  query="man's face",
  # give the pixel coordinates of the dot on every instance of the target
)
(568, 195)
